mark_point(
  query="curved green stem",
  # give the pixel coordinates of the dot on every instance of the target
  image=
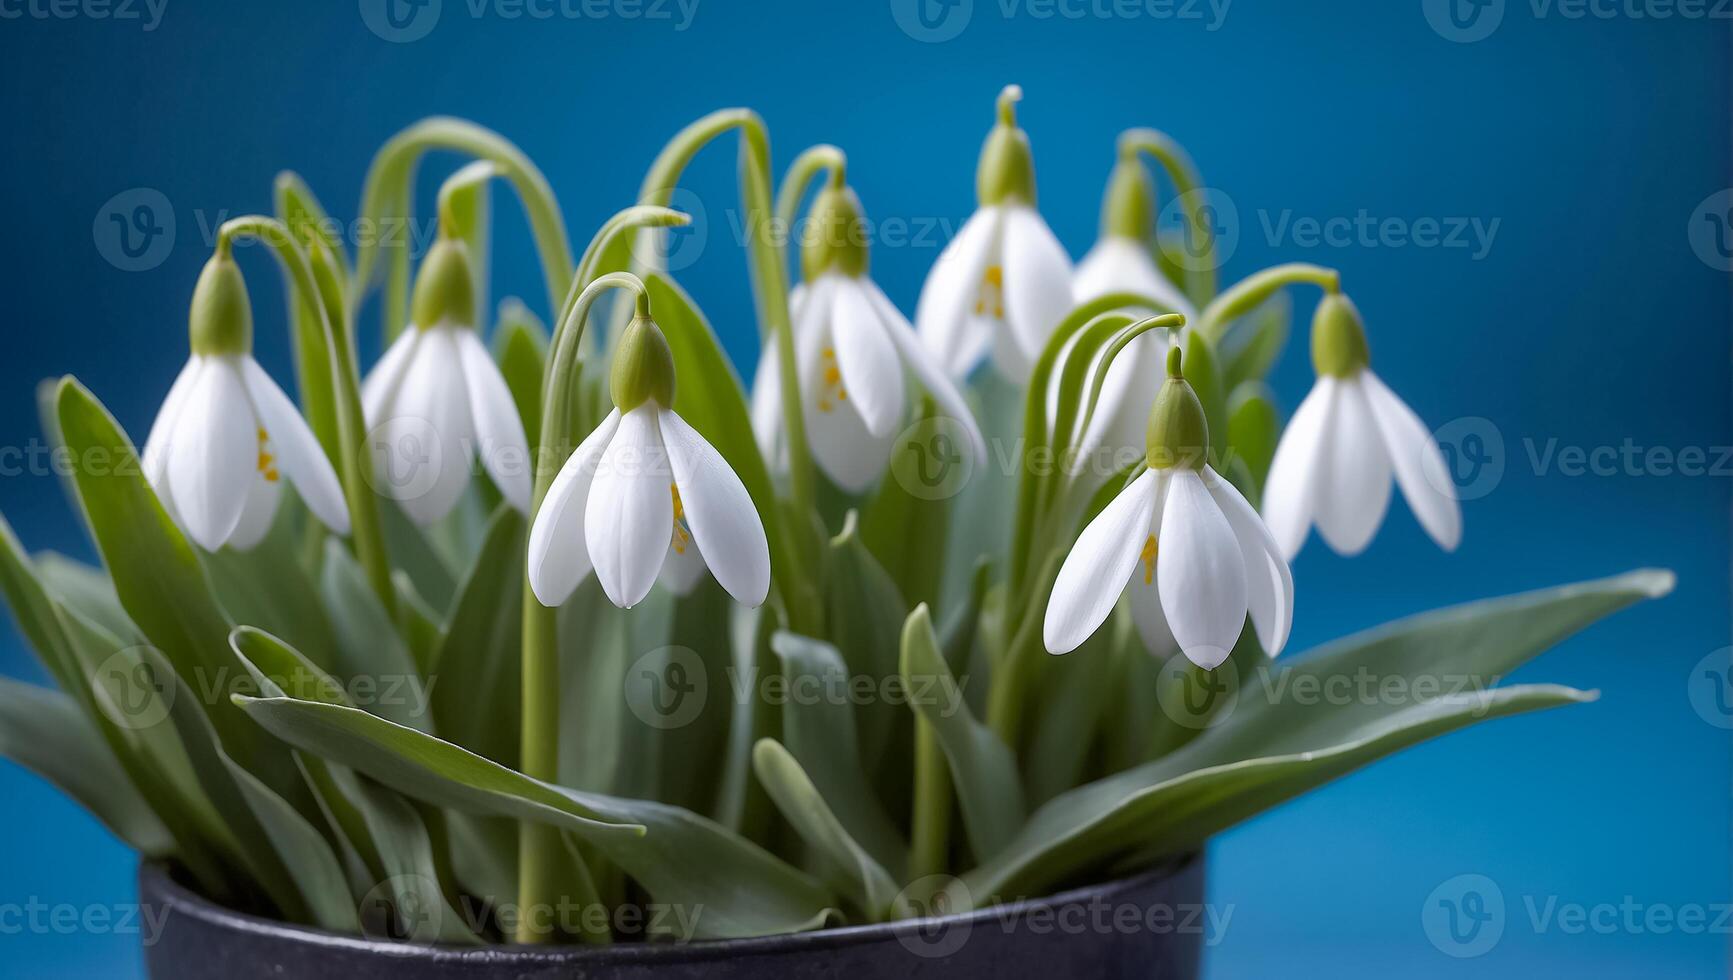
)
(387, 191)
(811, 162)
(1180, 169)
(366, 533)
(622, 223)
(540, 850)
(767, 255)
(1249, 293)
(463, 214)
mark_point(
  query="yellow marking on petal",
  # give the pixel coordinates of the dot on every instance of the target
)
(682, 533)
(1150, 550)
(267, 463)
(992, 292)
(830, 382)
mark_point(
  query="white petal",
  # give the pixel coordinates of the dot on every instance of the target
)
(499, 433)
(1121, 265)
(422, 444)
(256, 518)
(719, 512)
(630, 514)
(157, 447)
(872, 374)
(944, 316)
(1127, 394)
(1037, 280)
(1356, 488)
(1201, 574)
(1143, 592)
(1095, 572)
(383, 381)
(927, 372)
(850, 455)
(1297, 470)
(767, 406)
(214, 454)
(1419, 464)
(684, 566)
(559, 555)
(1269, 582)
(296, 450)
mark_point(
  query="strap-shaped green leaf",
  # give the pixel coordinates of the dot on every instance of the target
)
(371, 654)
(865, 611)
(477, 668)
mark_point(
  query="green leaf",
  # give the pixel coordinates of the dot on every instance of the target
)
(84, 588)
(907, 533)
(1272, 746)
(372, 658)
(818, 727)
(865, 613)
(45, 732)
(268, 588)
(520, 347)
(982, 767)
(680, 858)
(421, 625)
(306, 854)
(412, 885)
(1251, 347)
(415, 556)
(1254, 428)
(477, 670)
(849, 868)
(1068, 714)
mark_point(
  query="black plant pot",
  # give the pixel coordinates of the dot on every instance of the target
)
(1151, 925)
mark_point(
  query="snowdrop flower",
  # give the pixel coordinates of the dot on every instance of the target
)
(853, 349)
(436, 399)
(1122, 262)
(1334, 463)
(227, 436)
(646, 497)
(1182, 545)
(1004, 283)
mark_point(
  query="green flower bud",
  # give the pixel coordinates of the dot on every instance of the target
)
(1007, 170)
(643, 366)
(837, 238)
(1128, 208)
(1178, 433)
(445, 288)
(221, 318)
(1338, 338)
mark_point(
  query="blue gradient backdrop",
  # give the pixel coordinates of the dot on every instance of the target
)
(1590, 321)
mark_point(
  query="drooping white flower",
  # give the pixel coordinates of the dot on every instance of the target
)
(1334, 464)
(227, 435)
(436, 400)
(854, 351)
(646, 497)
(1004, 282)
(1183, 546)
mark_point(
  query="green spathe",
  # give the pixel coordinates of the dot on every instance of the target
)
(1178, 434)
(445, 289)
(1128, 207)
(1338, 338)
(643, 366)
(221, 318)
(1006, 174)
(837, 238)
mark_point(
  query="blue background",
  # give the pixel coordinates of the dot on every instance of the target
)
(1590, 321)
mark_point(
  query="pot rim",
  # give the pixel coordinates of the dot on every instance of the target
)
(158, 878)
